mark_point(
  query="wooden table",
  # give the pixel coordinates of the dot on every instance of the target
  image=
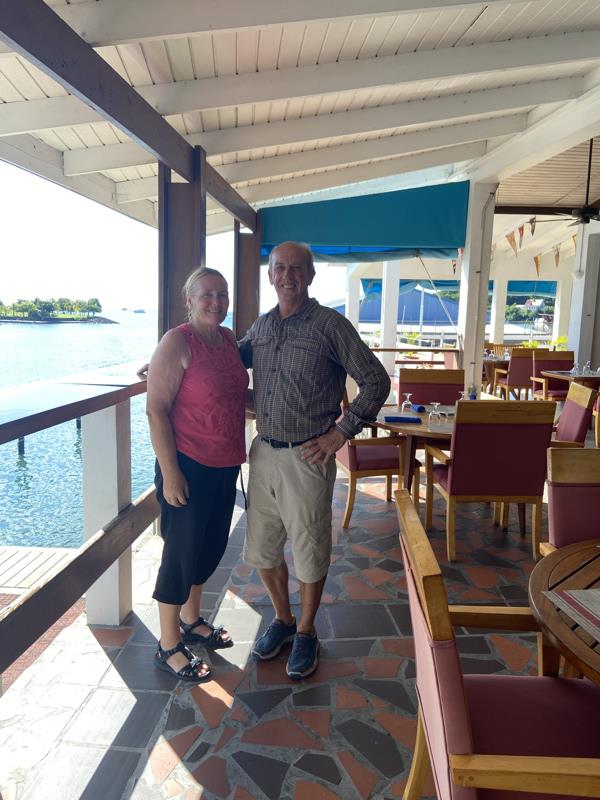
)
(592, 380)
(576, 566)
(416, 434)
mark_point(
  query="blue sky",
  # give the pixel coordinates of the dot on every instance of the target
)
(56, 243)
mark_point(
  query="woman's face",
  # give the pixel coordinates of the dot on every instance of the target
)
(209, 301)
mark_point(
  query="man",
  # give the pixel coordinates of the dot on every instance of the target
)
(300, 353)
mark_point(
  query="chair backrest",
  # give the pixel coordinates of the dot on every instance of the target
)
(431, 385)
(552, 360)
(439, 677)
(573, 495)
(520, 366)
(575, 418)
(499, 448)
(450, 359)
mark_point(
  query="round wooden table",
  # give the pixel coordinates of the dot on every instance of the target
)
(576, 566)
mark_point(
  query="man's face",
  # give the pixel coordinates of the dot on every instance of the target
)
(290, 274)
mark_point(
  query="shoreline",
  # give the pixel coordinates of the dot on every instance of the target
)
(58, 321)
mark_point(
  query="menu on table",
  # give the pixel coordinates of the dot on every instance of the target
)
(581, 605)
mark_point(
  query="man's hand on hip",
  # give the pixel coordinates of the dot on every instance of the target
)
(323, 447)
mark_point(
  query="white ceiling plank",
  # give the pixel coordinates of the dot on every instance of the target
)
(247, 51)
(571, 124)
(422, 112)
(181, 60)
(332, 78)
(25, 116)
(15, 70)
(111, 22)
(159, 66)
(135, 64)
(269, 44)
(113, 58)
(132, 191)
(203, 58)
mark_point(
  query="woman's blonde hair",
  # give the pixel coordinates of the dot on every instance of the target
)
(195, 275)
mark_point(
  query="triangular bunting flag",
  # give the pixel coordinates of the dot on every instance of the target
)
(556, 249)
(521, 235)
(532, 222)
(511, 239)
(537, 260)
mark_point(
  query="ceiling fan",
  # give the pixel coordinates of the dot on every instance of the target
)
(581, 216)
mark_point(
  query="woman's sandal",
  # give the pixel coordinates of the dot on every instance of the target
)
(187, 673)
(214, 640)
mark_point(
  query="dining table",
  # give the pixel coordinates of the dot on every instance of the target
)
(590, 379)
(558, 597)
(418, 430)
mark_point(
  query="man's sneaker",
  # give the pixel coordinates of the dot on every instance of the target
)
(304, 658)
(273, 639)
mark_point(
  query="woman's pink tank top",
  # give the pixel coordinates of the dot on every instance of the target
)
(208, 412)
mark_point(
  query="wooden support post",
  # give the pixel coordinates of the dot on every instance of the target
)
(106, 449)
(181, 238)
(247, 278)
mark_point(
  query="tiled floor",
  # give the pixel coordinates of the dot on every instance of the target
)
(92, 718)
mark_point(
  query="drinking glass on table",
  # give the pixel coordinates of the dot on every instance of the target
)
(587, 368)
(406, 403)
(435, 416)
(575, 369)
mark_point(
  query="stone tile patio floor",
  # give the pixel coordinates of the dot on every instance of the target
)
(92, 718)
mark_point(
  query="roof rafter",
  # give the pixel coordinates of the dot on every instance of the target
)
(399, 115)
(145, 188)
(112, 22)
(293, 82)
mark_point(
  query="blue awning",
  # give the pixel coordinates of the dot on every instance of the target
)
(429, 221)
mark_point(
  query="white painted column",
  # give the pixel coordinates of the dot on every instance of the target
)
(584, 327)
(106, 437)
(390, 290)
(475, 273)
(352, 295)
(562, 307)
(498, 313)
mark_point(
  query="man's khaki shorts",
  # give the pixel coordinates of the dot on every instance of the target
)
(289, 498)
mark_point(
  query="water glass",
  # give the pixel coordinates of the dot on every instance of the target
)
(435, 415)
(575, 369)
(406, 405)
(507, 355)
(587, 368)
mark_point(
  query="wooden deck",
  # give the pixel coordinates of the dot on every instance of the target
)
(22, 567)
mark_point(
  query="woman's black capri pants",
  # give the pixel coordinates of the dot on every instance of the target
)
(195, 535)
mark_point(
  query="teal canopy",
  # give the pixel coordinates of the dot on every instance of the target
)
(429, 221)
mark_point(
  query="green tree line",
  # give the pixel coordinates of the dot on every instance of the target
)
(48, 309)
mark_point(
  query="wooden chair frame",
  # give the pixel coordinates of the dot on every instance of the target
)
(571, 466)
(537, 774)
(521, 413)
(516, 389)
(357, 474)
(547, 355)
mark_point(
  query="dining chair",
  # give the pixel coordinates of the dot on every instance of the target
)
(550, 361)
(517, 377)
(597, 422)
(576, 416)
(573, 497)
(497, 454)
(506, 734)
(431, 385)
(374, 456)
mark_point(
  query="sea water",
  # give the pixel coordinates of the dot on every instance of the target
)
(41, 501)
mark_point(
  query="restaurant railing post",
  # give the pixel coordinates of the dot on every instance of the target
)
(106, 437)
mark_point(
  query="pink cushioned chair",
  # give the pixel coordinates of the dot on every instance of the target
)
(574, 421)
(573, 497)
(373, 457)
(497, 454)
(550, 361)
(431, 385)
(489, 737)
(517, 377)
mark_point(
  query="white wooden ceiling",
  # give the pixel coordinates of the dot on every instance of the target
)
(289, 98)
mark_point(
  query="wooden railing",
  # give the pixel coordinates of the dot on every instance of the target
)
(111, 521)
(420, 352)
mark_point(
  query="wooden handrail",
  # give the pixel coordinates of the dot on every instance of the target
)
(24, 621)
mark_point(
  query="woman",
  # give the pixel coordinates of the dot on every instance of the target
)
(195, 405)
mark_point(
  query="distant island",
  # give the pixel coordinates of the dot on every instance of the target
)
(62, 309)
